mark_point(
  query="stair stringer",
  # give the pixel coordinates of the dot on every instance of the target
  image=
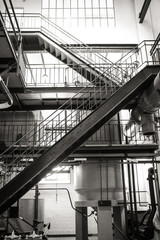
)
(33, 173)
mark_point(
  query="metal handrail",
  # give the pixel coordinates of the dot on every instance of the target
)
(57, 75)
(40, 24)
(49, 33)
(86, 102)
(132, 62)
(152, 63)
(21, 127)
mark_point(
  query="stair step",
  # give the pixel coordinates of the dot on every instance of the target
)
(41, 42)
(69, 61)
(52, 49)
(58, 53)
(47, 47)
(63, 57)
(73, 61)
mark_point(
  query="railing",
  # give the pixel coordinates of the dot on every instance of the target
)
(126, 67)
(60, 75)
(111, 133)
(40, 24)
(86, 100)
(37, 22)
(12, 20)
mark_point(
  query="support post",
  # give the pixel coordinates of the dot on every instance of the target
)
(81, 223)
(105, 229)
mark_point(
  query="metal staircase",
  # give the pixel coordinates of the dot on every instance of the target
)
(41, 34)
(21, 176)
(80, 65)
(98, 102)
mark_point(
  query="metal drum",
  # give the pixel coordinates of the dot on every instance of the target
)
(98, 181)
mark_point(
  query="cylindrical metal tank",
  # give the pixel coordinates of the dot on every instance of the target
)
(15, 124)
(98, 181)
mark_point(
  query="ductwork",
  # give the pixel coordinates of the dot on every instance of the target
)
(7, 95)
(147, 105)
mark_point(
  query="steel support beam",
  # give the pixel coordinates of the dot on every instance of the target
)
(144, 10)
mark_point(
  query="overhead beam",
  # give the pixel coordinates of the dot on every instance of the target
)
(144, 10)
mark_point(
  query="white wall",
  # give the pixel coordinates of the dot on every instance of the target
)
(155, 16)
(149, 29)
(30, 6)
(127, 29)
(145, 29)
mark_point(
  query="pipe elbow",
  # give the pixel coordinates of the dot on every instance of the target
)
(150, 100)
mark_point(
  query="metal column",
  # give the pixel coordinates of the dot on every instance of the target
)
(105, 230)
(81, 223)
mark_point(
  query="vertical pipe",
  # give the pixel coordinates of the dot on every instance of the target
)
(130, 195)
(123, 176)
(124, 194)
(157, 189)
(36, 205)
(135, 200)
(101, 187)
(152, 196)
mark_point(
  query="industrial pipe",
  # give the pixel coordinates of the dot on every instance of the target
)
(150, 101)
(152, 195)
(7, 94)
(147, 105)
(147, 230)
